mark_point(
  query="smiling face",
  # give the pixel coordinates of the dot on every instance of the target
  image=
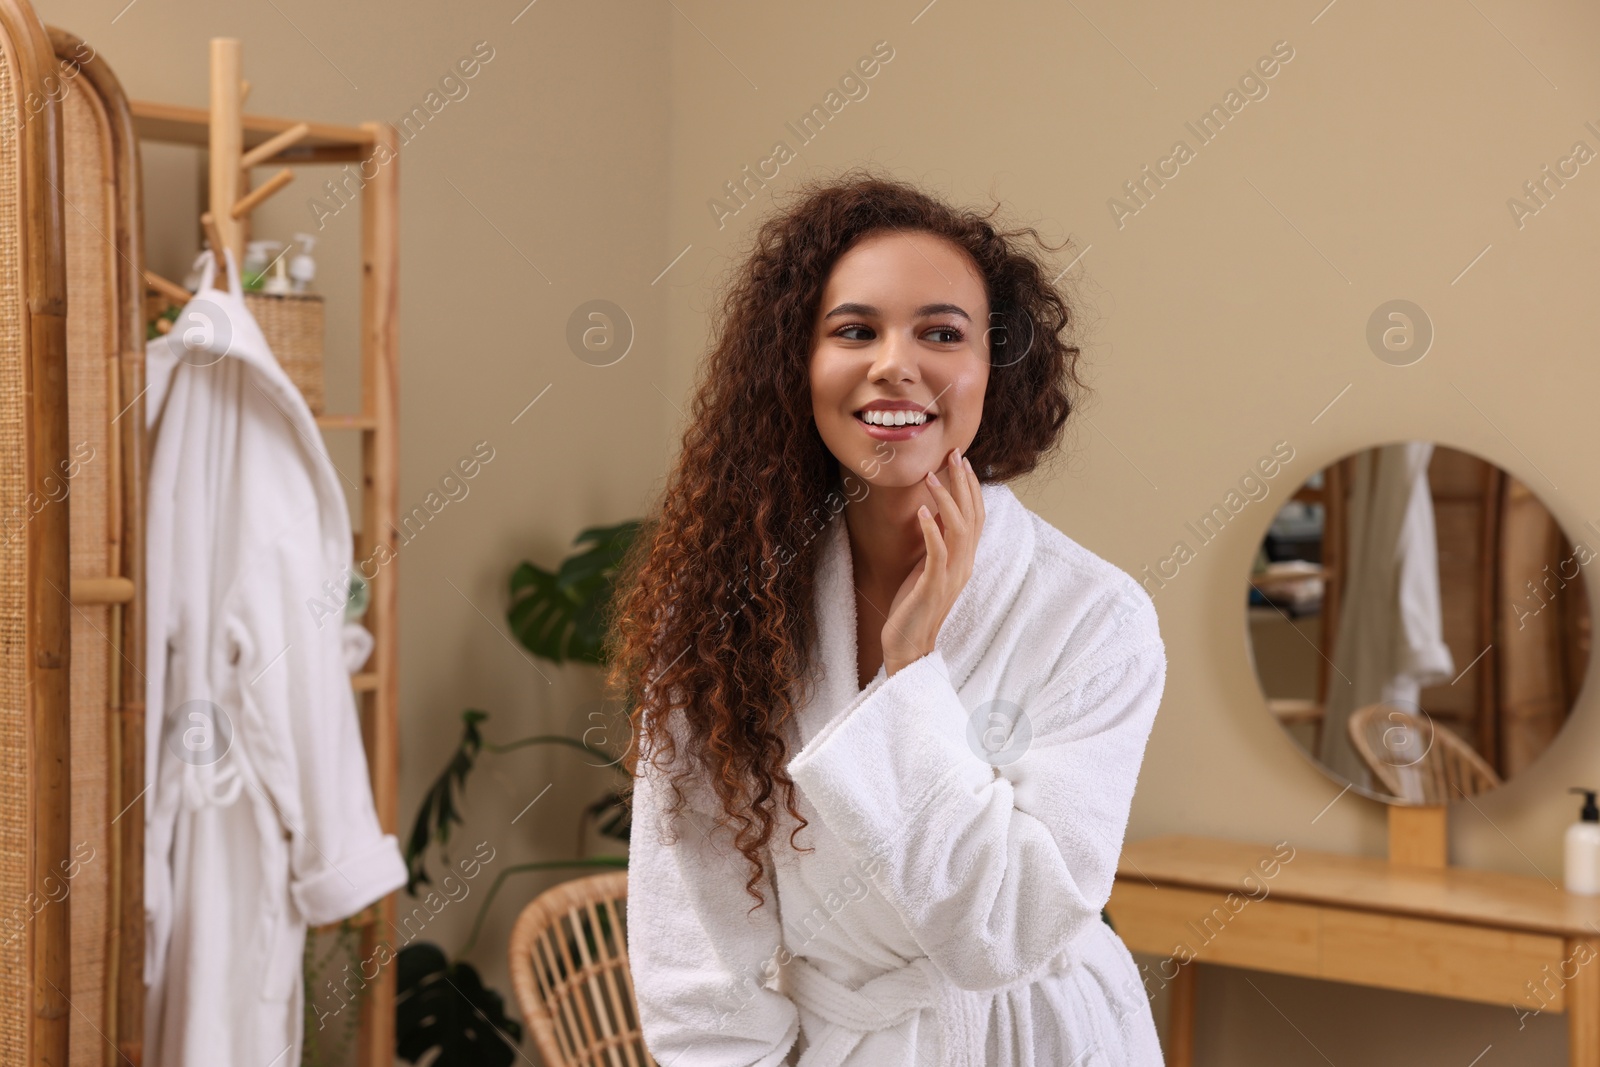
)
(899, 356)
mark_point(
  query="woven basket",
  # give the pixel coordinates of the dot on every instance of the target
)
(292, 325)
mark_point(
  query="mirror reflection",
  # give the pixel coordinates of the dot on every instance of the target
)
(1419, 622)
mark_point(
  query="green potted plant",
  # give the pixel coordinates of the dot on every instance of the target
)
(559, 616)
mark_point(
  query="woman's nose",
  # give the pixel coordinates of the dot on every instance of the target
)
(896, 359)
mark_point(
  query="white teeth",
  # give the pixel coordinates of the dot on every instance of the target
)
(894, 418)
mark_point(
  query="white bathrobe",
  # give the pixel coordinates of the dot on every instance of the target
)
(259, 815)
(967, 816)
(1390, 644)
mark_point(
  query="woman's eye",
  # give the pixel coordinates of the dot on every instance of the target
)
(951, 334)
(845, 331)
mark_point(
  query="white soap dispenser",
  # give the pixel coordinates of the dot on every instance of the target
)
(258, 256)
(277, 282)
(1583, 848)
(302, 268)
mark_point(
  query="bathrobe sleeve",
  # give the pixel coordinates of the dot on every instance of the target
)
(699, 958)
(301, 728)
(995, 870)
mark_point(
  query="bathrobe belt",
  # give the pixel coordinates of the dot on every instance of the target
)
(889, 1000)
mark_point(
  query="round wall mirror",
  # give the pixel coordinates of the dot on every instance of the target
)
(1419, 622)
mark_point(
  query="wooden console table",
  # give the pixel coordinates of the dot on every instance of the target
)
(1474, 935)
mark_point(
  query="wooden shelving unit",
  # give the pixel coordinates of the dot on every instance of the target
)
(231, 136)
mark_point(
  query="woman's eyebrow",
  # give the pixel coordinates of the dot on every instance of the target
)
(925, 309)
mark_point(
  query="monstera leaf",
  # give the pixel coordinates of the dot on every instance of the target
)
(612, 815)
(561, 616)
(443, 1005)
(440, 806)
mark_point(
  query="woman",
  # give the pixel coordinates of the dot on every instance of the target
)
(840, 599)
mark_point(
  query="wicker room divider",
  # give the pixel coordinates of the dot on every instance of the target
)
(35, 613)
(105, 387)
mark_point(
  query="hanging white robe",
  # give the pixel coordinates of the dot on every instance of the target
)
(259, 816)
(1390, 644)
(967, 815)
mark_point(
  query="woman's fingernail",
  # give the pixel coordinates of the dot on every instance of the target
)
(934, 478)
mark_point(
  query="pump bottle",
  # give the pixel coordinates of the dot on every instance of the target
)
(1583, 848)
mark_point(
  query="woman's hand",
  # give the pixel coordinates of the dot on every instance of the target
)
(930, 590)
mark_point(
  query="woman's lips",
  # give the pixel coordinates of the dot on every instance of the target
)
(894, 433)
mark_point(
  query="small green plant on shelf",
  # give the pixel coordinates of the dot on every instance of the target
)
(170, 314)
(559, 616)
(329, 1030)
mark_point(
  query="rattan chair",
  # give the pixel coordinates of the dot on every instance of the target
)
(569, 969)
(1415, 759)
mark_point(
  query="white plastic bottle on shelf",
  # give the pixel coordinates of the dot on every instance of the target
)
(1583, 848)
(302, 268)
(258, 255)
(277, 282)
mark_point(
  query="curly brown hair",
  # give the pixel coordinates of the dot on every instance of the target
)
(748, 496)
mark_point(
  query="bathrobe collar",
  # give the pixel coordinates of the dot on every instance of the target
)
(1005, 548)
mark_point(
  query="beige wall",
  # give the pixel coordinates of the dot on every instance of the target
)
(1221, 318)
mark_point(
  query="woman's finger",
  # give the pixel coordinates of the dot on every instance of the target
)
(960, 487)
(938, 552)
(949, 511)
(961, 492)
